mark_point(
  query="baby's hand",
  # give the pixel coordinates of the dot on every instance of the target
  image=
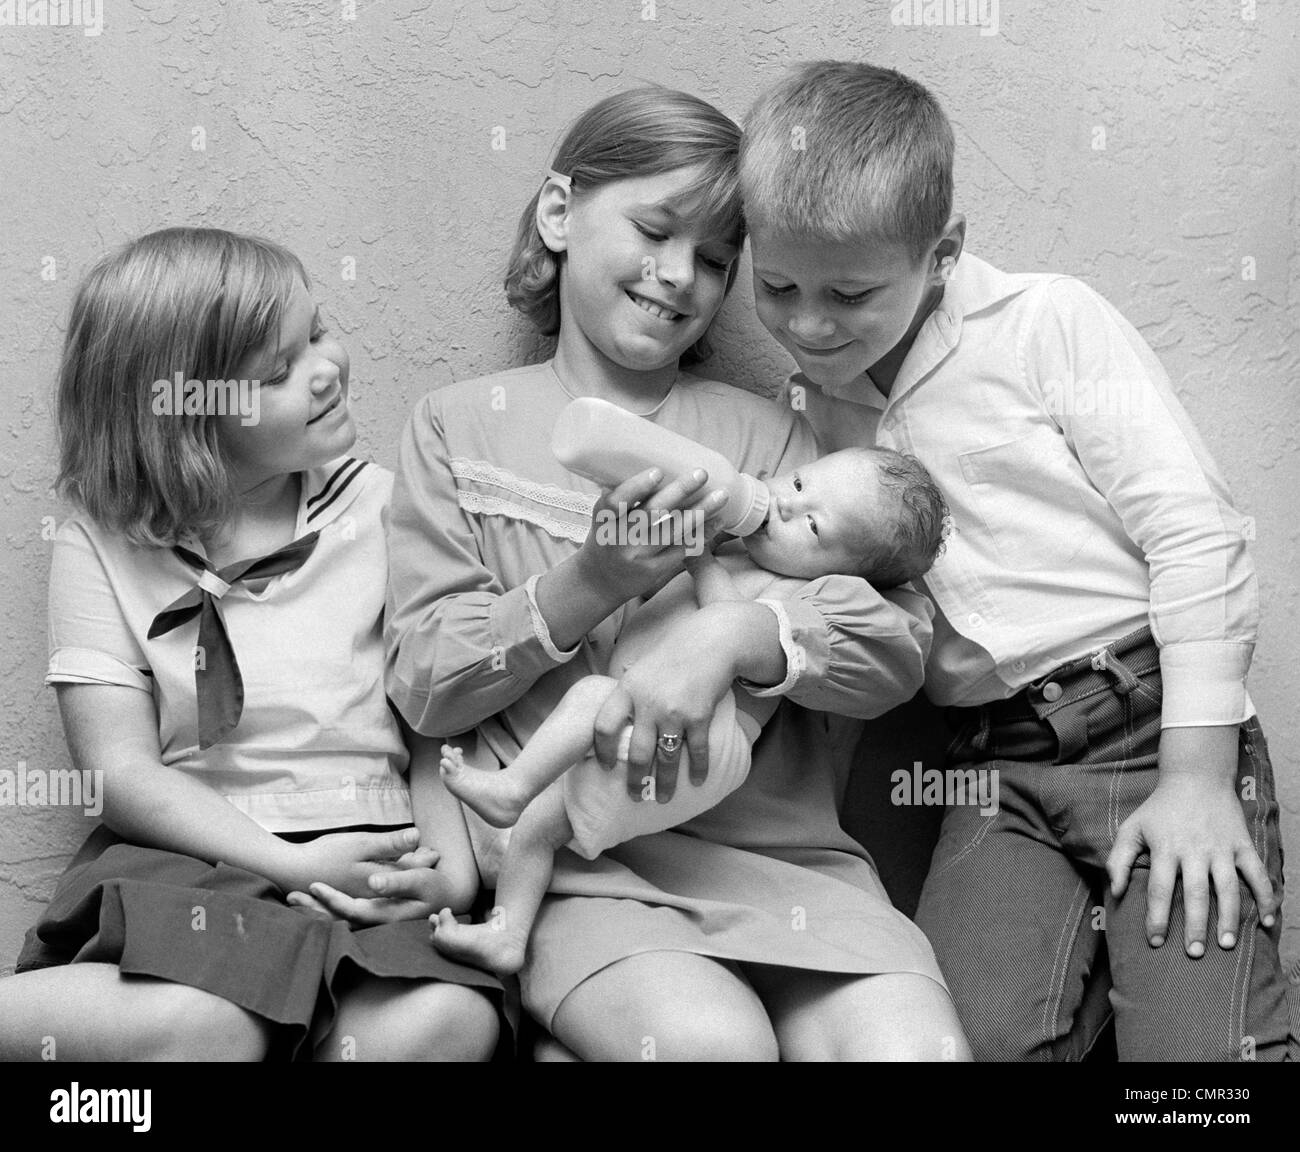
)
(713, 583)
(700, 562)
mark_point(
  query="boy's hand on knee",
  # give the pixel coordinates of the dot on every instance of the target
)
(1193, 827)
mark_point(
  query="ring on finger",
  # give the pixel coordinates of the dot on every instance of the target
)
(669, 743)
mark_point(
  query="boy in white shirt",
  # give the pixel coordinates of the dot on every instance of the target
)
(1095, 609)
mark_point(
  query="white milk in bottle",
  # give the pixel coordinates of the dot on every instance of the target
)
(608, 444)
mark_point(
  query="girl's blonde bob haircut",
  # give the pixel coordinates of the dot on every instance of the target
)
(193, 301)
(642, 132)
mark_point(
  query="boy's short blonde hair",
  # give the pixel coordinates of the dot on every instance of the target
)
(193, 301)
(849, 153)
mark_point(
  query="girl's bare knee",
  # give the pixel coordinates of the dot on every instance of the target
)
(714, 1037)
(462, 1025)
(183, 1023)
(404, 1020)
(912, 1048)
(94, 1012)
(548, 1050)
(668, 1006)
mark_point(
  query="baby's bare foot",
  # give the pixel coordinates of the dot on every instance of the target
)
(492, 945)
(490, 794)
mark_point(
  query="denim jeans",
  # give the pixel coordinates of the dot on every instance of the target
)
(1037, 953)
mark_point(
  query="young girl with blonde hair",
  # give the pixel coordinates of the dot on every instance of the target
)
(215, 640)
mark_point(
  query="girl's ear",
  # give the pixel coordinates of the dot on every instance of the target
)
(553, 214)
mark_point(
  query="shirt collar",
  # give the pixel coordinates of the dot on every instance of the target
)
(325, 494)
(328, 491)
(974, 285)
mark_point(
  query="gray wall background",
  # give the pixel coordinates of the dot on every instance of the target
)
(370, 139)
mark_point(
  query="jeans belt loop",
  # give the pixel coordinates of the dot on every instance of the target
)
(1106, 661)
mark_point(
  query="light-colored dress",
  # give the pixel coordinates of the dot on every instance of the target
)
(480, 510)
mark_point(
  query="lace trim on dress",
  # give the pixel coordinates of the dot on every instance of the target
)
(482, 505)
(541, 499)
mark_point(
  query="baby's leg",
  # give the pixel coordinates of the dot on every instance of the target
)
(561, 740)
(501, 944)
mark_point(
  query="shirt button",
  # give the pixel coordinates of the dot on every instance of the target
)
(891, 422)
(1018, 666)
(1051, 692)
(975, 620)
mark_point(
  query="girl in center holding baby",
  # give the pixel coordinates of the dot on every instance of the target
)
(866, 511)
(758, 929)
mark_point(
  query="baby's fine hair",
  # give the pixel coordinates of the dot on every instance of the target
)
(918, 517)
(849, 153)
(193, 301)
(643, 132)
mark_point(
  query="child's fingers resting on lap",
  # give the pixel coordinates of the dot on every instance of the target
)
(419, 858)
(347, 860)
(364, 910)
(308, 901)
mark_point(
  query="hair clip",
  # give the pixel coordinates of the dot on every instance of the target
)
(561, 178)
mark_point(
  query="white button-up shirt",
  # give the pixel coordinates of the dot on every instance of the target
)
(1084, 504)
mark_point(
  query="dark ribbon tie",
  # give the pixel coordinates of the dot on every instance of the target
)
(217, 680)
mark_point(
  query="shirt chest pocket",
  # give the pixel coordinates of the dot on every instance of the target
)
(1026, 495)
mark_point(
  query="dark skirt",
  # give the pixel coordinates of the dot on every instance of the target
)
(228, 932)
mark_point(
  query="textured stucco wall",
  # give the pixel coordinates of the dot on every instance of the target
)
(371, 139)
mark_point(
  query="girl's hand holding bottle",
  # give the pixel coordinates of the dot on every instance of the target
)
(619, 569)
(620, 560)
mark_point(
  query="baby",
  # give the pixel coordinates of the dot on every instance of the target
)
(865, 512)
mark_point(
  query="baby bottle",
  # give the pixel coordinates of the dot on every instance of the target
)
(607, 444)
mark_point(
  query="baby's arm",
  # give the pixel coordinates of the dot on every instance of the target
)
(713, 583)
